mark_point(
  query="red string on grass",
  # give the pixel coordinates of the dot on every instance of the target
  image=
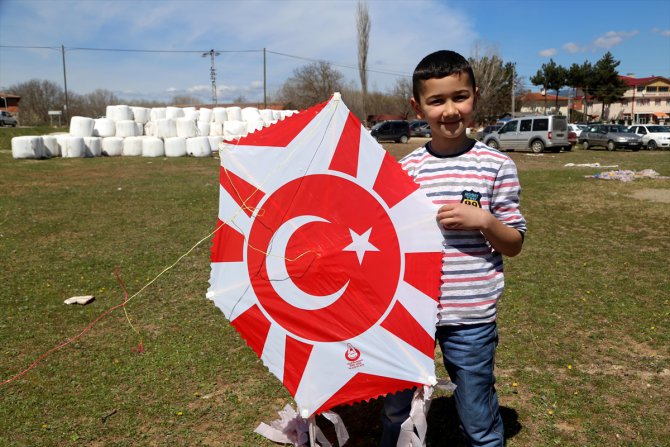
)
(75, 338)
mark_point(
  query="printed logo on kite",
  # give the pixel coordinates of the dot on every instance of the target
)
(317, 254)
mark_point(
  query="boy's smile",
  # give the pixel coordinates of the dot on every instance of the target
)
(447, 104)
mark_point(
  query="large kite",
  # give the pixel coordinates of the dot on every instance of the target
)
(327, 259)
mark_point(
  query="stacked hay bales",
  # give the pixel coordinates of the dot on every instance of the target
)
(149, 132)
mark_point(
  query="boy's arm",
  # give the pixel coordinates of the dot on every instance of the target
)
(459, 216)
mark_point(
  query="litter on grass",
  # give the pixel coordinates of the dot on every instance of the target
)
(83, 300)
(588, 165)
(627, 175)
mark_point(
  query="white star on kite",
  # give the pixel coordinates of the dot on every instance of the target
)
(360, 244)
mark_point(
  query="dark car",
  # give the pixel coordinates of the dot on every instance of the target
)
(419, 129)
(395, 130)
(610, 136)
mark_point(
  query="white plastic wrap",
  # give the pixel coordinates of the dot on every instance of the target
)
(110, 112)
(203, 128)
(234, 129)
(152, 147)
(214, 143)
(141, 115)
(198, 147)
(205, 115)
(165, 128)
(104, 127)
(132, 146)
(220, 114)
(267, 116)
(175, 147)
(73, 147)
(216, 129)
(62, 143)
(234, 113)
(253, 126)
(277, 115)
(27, 147)
(174, 112)
(123, 113)
(192, 114)
(51, 147)
(186, 128)
(112, 146)
(80, 126)
(126, 128)
(250, 114)
(92, 146)
(158, 113)
(140, 128)
(149, 129)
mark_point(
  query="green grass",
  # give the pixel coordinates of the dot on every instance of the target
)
(583, 360)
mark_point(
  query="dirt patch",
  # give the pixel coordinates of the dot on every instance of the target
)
(653, 194)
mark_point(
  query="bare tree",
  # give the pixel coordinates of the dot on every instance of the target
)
(37, 98)
(495, 80)
(363, 26)
(310, 84)
(95, 103)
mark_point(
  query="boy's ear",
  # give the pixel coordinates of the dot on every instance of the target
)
(416, 107)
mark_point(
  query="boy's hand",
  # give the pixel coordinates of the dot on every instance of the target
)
(458, 216)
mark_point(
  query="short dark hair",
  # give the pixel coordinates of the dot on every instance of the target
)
(439, 65)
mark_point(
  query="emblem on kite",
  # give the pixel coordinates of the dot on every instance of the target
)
(325, 246)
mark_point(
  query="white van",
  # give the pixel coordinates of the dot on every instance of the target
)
(534, 133)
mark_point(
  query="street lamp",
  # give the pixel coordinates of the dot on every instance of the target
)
(212, 73)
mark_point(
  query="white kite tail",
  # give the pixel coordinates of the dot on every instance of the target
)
(413, 430)
(291, 428)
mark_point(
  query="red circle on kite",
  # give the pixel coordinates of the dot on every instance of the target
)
(323, 258)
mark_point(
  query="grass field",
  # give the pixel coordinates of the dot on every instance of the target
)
(584, 354)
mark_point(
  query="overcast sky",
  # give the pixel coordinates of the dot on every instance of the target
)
(174, 34)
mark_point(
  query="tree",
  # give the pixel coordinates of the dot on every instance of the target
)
(37, 98)
(363, 27)
(552, 77)
(582, 77)
(311, 84)
(610, 87)
(95, 103)
(495, 80)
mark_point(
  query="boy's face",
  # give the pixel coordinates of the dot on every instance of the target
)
(447, 104)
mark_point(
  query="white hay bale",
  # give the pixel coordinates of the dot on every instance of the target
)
(198, 147)
(141, 115)
(234, 113)
(126, 128)
(234, 129)
(174, 112)
(62, 142)
(216, 129)
(175, 147)
(203, 128)
(27, 146)
(205, 115)
(112, 146)
(123, 113)
(152, 147)
(220, 114)
(140, 128)
(92, 146)
(253, 126)
(251, 114)
(132, 147)
(110, 112)
(158, 113)
(191, 114)
(287, 113)
(186, 128)
(165, 128)
(214, 143)
(149, 129)
(81, 126)
(267, 116)
(104, 127)
(277, 115)
(51, 147)
(73, 147)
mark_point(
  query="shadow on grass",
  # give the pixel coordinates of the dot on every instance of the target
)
(364, 427)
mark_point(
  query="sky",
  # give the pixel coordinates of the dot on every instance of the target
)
(153, 49)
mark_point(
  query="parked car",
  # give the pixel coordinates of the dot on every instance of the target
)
(572, 138)
(653, 136)
(577, 128)
(394, 130)
(610, 136)
(487, 130)
(535, 133)
(6, 119)
(422, 129)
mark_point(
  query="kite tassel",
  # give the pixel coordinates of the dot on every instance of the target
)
(293, 429)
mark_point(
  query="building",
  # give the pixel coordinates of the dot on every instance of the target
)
(10, 103)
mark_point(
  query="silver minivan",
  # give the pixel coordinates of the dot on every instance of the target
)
(534, 133)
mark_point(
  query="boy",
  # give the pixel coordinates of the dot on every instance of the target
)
(477, 189)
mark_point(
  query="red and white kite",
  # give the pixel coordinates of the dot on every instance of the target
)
(327, 259)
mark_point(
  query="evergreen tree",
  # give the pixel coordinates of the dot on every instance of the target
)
(610, 87)
(552, 77)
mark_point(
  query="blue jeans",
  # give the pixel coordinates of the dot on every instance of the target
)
(468, 353)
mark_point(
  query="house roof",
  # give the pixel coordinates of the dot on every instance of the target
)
(8, 95)
(633, 82)
(536, 96)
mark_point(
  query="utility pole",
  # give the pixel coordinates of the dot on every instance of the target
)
(265, 97)
(212, 73)
(513, 76)
(62, 50)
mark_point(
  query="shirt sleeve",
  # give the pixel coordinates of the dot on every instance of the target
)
(506, 197)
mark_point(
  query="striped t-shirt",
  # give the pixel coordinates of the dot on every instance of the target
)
(472, 272)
